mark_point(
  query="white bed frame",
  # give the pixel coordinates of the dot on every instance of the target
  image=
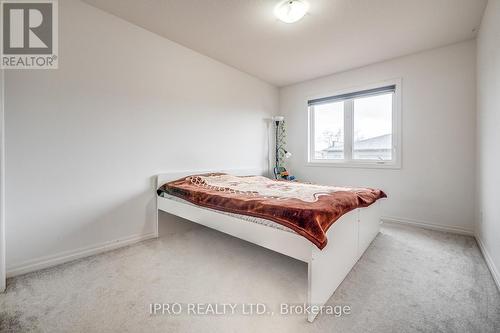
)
(348, 238)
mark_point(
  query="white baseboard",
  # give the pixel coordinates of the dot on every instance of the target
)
(63, 257)
(427, 225)
(489, 261)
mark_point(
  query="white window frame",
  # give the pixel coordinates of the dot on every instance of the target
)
(347, 161)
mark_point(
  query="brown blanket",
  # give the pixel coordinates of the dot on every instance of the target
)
(307, 209)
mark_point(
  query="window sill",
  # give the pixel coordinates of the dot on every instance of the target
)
(355, 165)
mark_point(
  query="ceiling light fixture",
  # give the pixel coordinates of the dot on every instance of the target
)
(290, 11)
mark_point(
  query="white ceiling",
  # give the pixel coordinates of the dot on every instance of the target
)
(334, 36)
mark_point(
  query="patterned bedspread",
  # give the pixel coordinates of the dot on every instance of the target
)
(307, 209)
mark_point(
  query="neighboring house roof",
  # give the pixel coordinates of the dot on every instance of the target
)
(375, 143)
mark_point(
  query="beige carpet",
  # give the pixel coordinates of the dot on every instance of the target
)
(409, 280)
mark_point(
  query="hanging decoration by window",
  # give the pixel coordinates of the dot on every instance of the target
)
(281, 154)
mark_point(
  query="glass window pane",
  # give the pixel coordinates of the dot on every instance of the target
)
(373, 128)
(329, 131)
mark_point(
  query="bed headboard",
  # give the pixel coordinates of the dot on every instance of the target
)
(163, 178)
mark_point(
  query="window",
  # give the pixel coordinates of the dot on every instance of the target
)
(359, 129)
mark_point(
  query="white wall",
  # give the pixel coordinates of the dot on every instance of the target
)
(83, 141)
(436, 182)
(488, 71)
(2, 186)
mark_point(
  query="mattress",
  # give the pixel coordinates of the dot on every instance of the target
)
(243, 218)
(307, 209)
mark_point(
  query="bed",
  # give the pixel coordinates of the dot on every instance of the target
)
(329, 256)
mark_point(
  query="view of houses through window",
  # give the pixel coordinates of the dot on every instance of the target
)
(373, 128)
(363, 124)
(329, 131)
